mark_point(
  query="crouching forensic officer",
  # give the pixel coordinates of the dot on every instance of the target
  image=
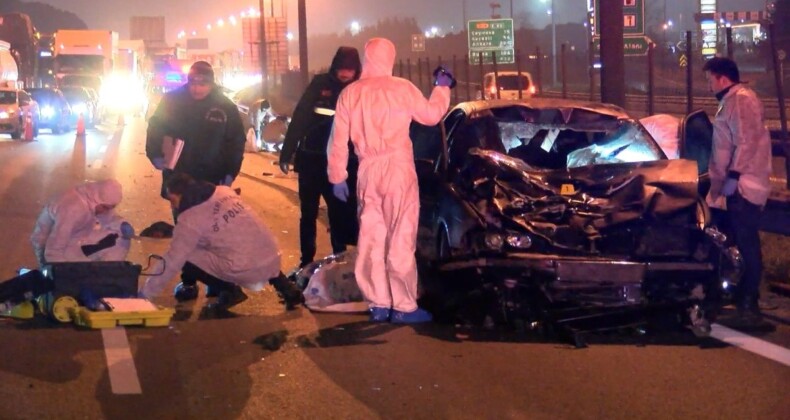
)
(220, 241)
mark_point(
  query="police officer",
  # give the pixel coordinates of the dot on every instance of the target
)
(209, 124)
(307, 138)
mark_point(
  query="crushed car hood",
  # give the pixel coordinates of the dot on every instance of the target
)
(572, 207)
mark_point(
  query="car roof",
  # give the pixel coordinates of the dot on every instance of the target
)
(473, 107)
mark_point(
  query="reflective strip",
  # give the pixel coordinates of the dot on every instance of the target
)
(324, 111)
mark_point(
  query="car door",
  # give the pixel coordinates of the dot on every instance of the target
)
(696, 140)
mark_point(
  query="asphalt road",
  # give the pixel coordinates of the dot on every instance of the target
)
(264, 362)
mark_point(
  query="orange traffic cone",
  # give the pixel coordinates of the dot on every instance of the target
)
(28, 127)
(121, 121)
(80, 125)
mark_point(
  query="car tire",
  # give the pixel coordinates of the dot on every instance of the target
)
(17, 134)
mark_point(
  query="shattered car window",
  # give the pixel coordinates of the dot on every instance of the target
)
(552, 145)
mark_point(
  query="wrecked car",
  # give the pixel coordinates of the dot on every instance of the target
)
(568, 213)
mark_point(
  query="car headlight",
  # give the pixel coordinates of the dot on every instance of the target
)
(519, 240)
(79, 108)
(4, 115)
(494, 241)
(47, 112)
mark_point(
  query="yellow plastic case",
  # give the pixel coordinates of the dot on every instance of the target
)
(84, 317)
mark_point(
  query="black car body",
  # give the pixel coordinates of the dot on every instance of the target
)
(570, 209)
(54, 110)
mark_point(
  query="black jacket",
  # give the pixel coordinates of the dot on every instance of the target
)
(310, 128)
(212, 131)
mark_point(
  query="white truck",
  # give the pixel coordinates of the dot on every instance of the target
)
(9, 71)
(83, 57)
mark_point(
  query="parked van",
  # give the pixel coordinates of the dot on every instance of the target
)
(509, 83)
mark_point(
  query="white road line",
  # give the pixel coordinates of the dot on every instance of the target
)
(751, 344)
(120, 364)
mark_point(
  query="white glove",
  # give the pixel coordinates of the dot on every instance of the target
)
(729, 187)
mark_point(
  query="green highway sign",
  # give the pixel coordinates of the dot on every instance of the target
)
(491, 35)
(632, 45)
(502, 57)
(633, 17)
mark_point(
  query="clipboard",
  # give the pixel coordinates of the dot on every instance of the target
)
(171, 149)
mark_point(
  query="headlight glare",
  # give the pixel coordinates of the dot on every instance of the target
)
(494, 241)
(47, 111)
(519, 240)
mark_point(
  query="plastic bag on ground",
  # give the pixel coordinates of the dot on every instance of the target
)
(330, 286)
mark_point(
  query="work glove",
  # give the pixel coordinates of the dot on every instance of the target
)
(158, 162)
(284, 167)
(227, 181)
(106, 242)
(729, 187)
(340, 191)
(442, 77)
(127, 231)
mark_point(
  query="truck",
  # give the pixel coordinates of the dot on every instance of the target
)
(84, 57)
(17, 30)
(8, 68)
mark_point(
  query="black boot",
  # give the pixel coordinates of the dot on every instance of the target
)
(184, 292)
(230, 297)
(288, 290)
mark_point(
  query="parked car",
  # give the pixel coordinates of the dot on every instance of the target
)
(81, 103)
(15, 105)
(54, 109)
(569, 214)
(509, 84)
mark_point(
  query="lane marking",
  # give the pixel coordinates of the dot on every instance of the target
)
(120, 364)
(751, 344)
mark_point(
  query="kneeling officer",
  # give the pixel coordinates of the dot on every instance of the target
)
(220, 241)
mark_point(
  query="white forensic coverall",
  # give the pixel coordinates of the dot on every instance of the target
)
(741, 143)
(223, 237)
(69, 221)
(374, 113)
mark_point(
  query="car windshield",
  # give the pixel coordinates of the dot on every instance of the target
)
(513, 82)
(75, 95)
(7, 97)
(543, 145)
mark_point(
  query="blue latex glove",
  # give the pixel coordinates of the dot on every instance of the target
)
(159, 163)
(228, 180)
(729, 187)
(340, 191)
(443, 78)
(127, 231)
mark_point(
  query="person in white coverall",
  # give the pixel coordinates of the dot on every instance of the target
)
(374, 113)
(80, 225)
(740, 168)
(220, 241)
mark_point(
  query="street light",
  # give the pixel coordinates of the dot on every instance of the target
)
(355, 27)
(553, 41)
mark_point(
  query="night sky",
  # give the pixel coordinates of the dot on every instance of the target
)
(326, 16)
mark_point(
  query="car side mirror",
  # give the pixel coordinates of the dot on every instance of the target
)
(696, 139)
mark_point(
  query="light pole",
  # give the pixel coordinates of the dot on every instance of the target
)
(553, 42)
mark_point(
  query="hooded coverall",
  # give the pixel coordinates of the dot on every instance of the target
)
(375, 113)
(307, 138)
(69, 221)
(742, 150)
(223, 237)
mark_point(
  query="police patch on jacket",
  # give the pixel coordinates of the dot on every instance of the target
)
(216, 115)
